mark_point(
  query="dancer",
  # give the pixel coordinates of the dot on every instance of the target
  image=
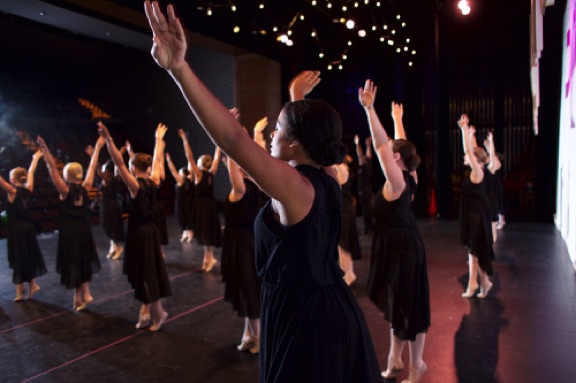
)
(476, 231)
(24, 255)
(185, 191)
(112, 189)
(312, 329)
(349, 246)
(206, 217)
(238, 262)
(77, 258)
(143, 260)
(365, 182)
(495, 186)
(398, 279)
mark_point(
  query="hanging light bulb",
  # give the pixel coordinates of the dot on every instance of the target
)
(466, 10)
(350, 24)
(236, 29)
(233, 8)
(362, 33)
(329, 66)
(209, 11)
(289, 42)
(321, 55)
(283, 38)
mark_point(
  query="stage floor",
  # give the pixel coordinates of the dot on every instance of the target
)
(525, 331)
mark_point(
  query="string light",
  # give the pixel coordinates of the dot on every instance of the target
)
(362, 33)
(233, 8)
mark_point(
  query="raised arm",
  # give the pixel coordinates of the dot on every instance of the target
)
(32, 169)
(192, 168)
(89, 179)
(477, 173)
(275, 177)
(397, 114)
(179, 180)
(259, 132)
(129, 149)
(216, 161)
(158, 174)
(8, 188)
(494, 164)
(359, 153)
(129, 180)
(342, 173)
(395, 183)
(236, 180)
(59, 183)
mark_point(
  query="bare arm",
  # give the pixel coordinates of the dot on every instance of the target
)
(158, 174)
(259, 132)
(129, 180)
(59, 183)
(8, 188)
(369, 148)
(494, 164)
(32, 169)
(477, 173)
(173, 171)
(216, 161)
(397, 114)
(192, 168)
(275, 177)
(236, 180)
(395, 184)
(342, 173)
(89, 179)
(359, 153)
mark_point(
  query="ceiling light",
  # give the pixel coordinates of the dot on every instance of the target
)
(350, 24)
(362, 33)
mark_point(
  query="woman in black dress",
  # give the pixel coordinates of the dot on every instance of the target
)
(77, 258)
(184, 204)
(495, 186)
(206, 217)
(475, 221)
(398, 280)
(143, 260)
(238, 261)
(312, 328)
(24, 255)
(111, 220)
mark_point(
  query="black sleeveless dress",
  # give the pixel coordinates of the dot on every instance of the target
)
(185, 195)
(143, 260)
(398, 279)
(77, 258)
(349, 239)
(24, 255)
(160, 218)
(242, 285)
(111, 209)
(475, 222)
(312, 329)
(207, 230)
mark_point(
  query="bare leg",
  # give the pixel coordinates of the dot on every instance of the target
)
(347, 266)
(255, 330)
(20, 292)
(78, 298)
(473, 274)
(118, 249)
(144, 316)
(417, 365)
(33, 288)
(86, 296)
(159, 316)
(494, 232)
(394, 356)
(209, 260)
(485, 284)
(111, 250)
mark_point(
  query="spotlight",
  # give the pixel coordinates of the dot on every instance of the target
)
(350, 24)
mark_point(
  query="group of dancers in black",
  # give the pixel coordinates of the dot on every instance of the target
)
(287, 255)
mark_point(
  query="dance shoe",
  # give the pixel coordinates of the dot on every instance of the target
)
(143, 321)
(393, 369)
(208, 265)
(470, 292)
(156, 326)
(245, 344)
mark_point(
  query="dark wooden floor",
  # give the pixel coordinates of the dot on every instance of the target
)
(525, 331)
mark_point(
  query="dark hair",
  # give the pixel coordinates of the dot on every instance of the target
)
(481, 155)
(108, 166)
(185, 171)
(407, 152)
(318, 128)
(141, 161)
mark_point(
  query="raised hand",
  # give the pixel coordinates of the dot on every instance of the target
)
(161, 130)
(103, 130)
(128, 146)
(167, 157)
(38, 154)
(42, 144)
(235, 112)
(261, 125)
(397, 111)
(181, 133)
(367, 95)
(463, 121)
(356, 139)
(100, 142)
(303, 84)
(169, 49)
(89, 150)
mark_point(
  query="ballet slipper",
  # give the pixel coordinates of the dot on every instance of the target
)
(110, 254)
(20, 293)
(208, 265)
(117, 254)
(156, 326)
(255, 349)
(416, 375)
(143, 321)
(393, 369)
(85, 303)
(245, 344)
(484, 290)
(34, 288)
(470, 291)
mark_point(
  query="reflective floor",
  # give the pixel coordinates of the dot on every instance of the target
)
(525, 331)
